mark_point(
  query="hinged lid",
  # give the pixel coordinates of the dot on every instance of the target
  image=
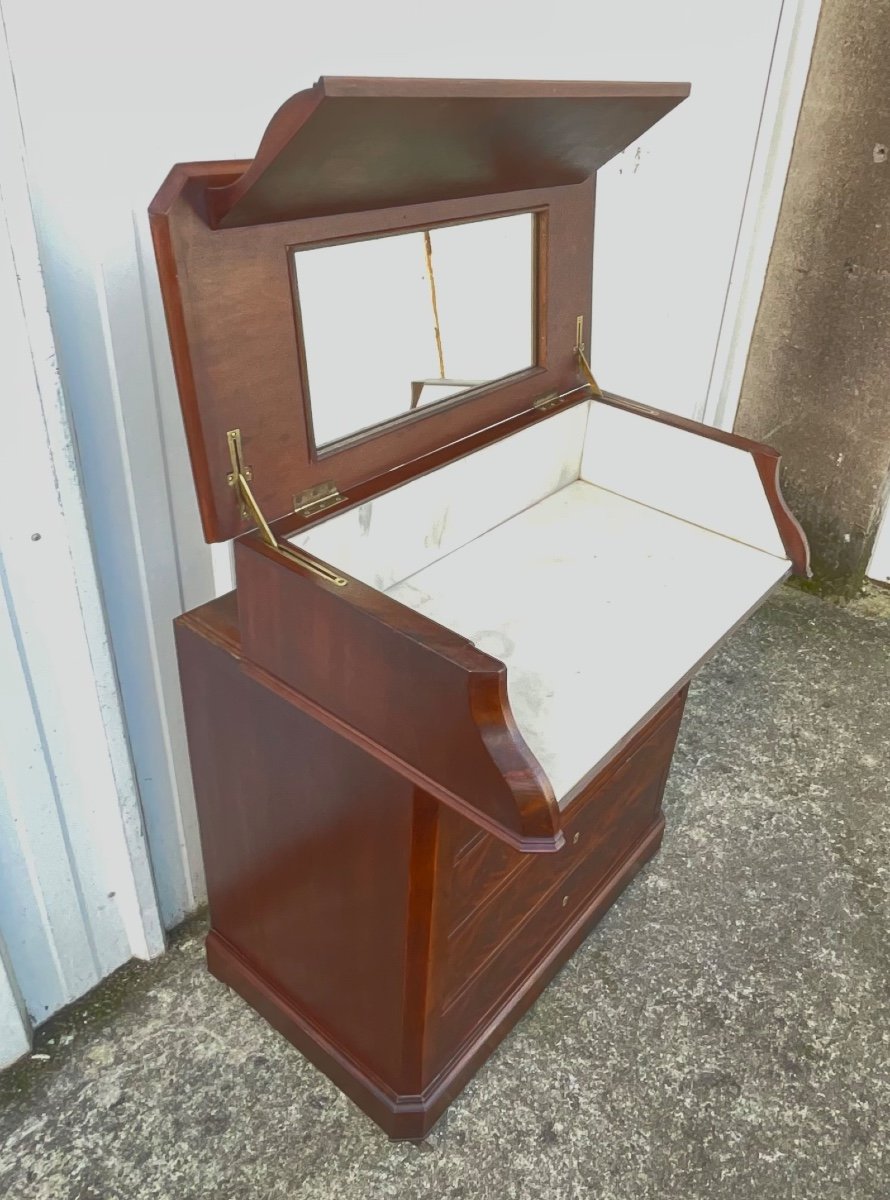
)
(354, 159)
(350, 144)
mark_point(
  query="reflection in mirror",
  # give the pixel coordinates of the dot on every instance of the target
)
(399, 323)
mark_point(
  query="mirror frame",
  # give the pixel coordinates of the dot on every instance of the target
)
(539, 238)
(235, 337)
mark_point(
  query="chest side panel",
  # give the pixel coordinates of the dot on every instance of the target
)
(307, 845)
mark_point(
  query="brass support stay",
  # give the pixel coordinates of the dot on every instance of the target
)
(239, 478)
(582, 359)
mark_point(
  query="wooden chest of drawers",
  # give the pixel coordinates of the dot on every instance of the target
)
(430, 730)
(397, 945)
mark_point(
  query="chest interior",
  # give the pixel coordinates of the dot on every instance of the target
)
(599, 555)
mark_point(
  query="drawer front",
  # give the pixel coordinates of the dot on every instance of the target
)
(482, 866)
(504, 909)
(479, 868)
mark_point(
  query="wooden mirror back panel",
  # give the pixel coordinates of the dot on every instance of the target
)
(240, 358)
(230, 239)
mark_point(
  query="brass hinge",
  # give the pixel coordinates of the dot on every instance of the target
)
(547, 402)
(554, 399)
(316, 499)
(239, 478)
(582, 359)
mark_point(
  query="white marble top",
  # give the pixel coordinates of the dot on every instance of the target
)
(599, 606)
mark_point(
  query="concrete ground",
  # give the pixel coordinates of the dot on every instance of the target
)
(724, 1032)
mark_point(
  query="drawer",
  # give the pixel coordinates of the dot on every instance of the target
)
(483, 866)
(498, 896)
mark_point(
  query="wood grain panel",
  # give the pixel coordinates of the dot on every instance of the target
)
(424, 695)
(351, 143)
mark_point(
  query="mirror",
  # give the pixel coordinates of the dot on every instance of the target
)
(399, 323)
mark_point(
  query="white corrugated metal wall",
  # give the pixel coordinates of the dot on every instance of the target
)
(76, 893)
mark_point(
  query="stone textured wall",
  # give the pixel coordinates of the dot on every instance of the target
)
(817, 383)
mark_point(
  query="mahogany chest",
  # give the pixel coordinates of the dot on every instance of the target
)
(431, 728)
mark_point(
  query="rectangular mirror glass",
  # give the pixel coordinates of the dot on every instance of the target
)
(396, 324)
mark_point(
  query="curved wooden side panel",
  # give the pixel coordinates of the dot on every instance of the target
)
(285, 124)
(507, 748)
(790, 529)
(766, 459)
(410, 692)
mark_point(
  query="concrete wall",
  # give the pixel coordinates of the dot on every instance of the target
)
(817, 383)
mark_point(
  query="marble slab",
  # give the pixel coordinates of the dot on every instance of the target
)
(600, 606)
(404, 530)
(695, 478)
